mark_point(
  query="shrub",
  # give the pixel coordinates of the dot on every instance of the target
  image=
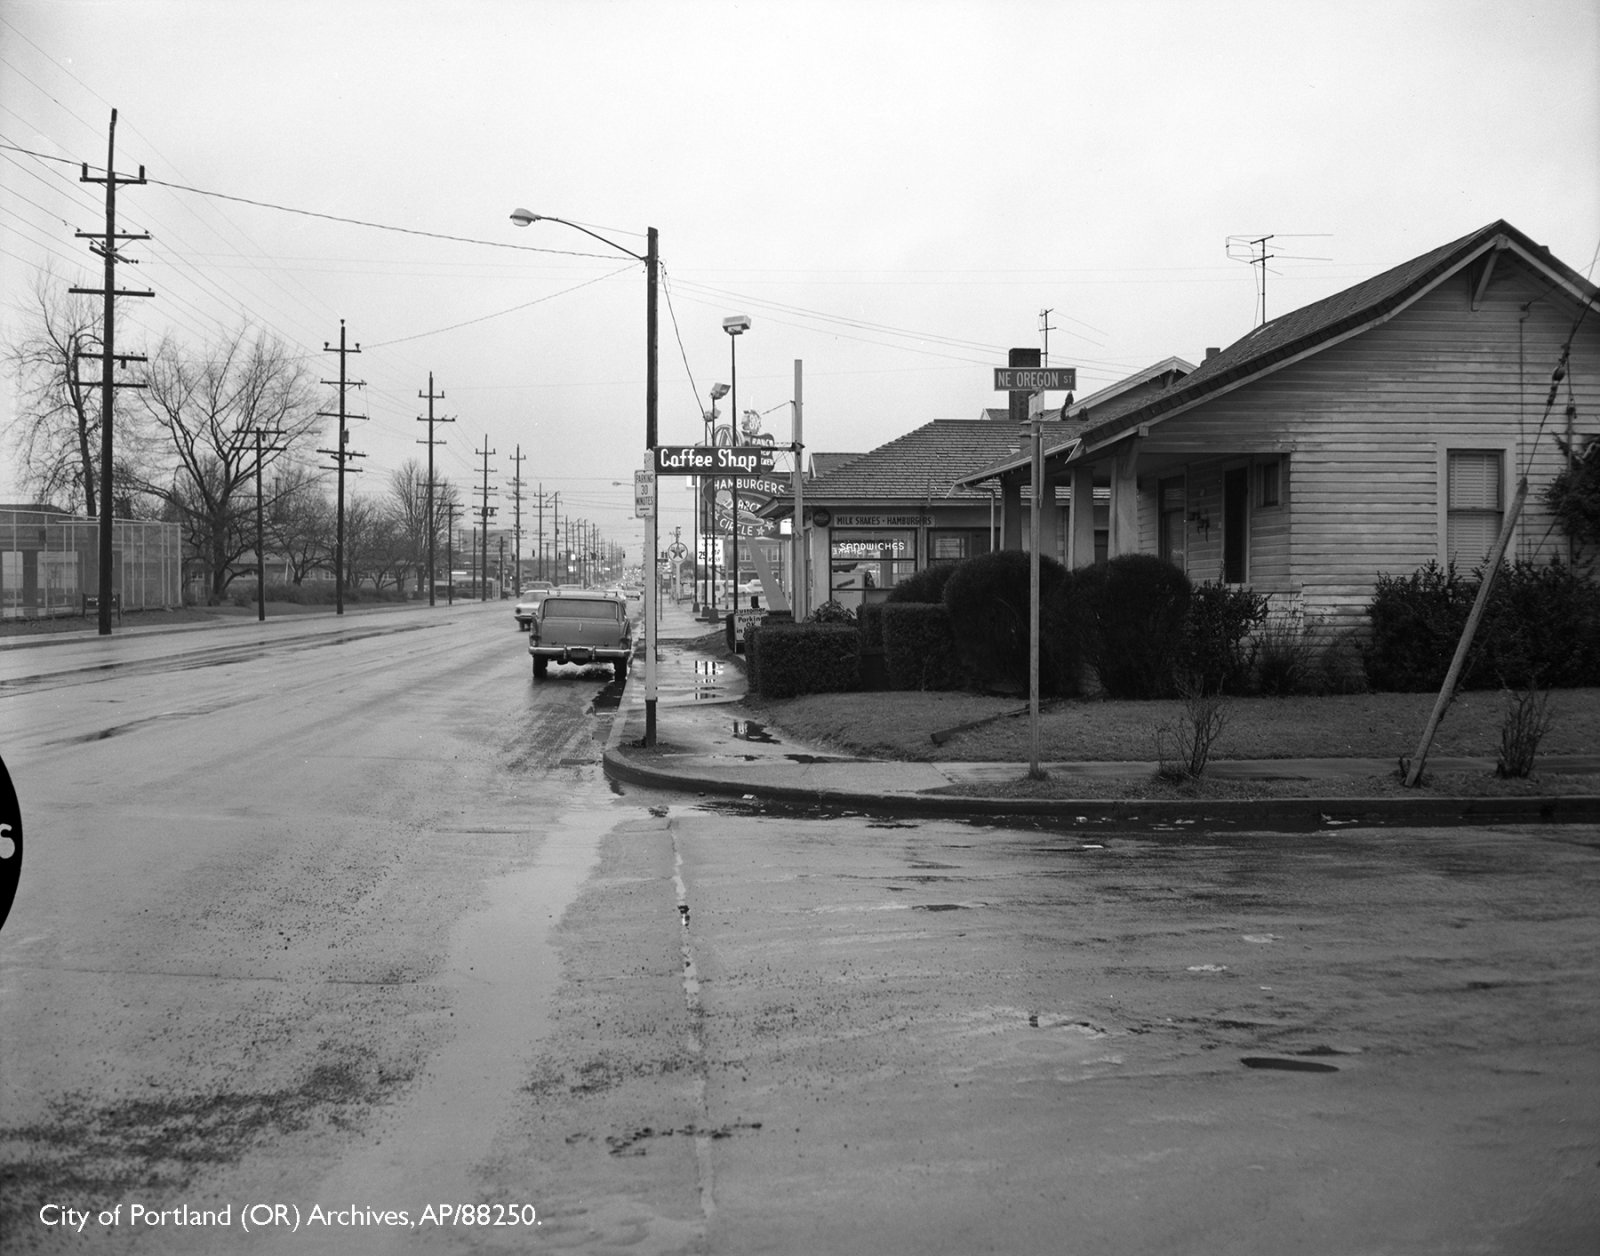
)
(1541, 626)
(832, 612)
(1338, 666)
(1219, 648)
(1527, 720)
(791, 659)
(988, 597)
(926, 585)
(1287, 657)
(1183, 747)
(1574, 494)
(1130, 615)
(1416, 622)
(919, 648)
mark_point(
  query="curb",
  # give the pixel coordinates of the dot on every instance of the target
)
(1290, 814)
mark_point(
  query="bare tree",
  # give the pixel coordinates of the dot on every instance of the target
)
(201, 405)
(300, 523)
(56, 437)
(408, 509)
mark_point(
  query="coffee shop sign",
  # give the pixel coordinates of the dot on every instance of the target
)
(712, 460)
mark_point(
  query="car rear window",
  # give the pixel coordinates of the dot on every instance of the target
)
(583, 607)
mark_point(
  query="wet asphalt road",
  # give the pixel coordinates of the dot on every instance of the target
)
(351, 921)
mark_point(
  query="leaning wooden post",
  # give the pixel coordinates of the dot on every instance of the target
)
(1447, 691)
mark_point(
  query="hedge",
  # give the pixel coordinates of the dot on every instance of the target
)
(788, 659)
(919, 649)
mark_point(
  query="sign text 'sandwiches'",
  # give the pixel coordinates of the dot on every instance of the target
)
(712, 460)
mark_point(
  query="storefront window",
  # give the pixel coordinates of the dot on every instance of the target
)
(868, 559)
(953, 545)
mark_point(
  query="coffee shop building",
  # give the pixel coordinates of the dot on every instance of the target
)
(873, 519)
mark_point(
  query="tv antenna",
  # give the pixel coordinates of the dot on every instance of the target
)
(1258, 256)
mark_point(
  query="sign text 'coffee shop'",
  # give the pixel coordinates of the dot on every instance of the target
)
(716, 460)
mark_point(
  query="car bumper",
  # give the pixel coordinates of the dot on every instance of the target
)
(581, 653)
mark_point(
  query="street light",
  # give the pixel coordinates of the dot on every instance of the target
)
(524, 217)
(718, 392)
(735, 325)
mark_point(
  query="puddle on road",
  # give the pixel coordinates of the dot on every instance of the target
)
(1286, 1064)
(749, 730)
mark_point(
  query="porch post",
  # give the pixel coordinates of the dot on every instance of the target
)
(1080, 529)
(1010, 512)
(1125, 501)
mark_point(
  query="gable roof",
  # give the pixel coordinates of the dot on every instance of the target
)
(822, 464)
(926, 464)
(1325, 322)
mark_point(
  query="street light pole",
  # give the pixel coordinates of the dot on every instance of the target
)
(735, 325)
(652, 266)
(718, 392)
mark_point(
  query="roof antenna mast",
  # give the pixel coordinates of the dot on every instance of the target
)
(1258, 256)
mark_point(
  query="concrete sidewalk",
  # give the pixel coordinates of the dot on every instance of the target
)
(706, 744)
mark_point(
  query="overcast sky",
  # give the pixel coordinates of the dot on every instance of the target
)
(892, 190)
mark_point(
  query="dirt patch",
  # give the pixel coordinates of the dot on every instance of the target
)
(158, 1146)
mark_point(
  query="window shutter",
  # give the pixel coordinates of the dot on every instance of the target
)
(1474, 480)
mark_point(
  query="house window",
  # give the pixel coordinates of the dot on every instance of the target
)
(1475, 504)
(1173, 530)
(1269, 483)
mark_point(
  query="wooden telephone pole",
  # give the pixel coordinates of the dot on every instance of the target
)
(105, 244)
(341, 455)
(433, 529)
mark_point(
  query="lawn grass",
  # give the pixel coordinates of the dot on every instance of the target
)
(1379, 726)
(1383, 727)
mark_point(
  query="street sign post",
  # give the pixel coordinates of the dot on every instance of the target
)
(644, 494)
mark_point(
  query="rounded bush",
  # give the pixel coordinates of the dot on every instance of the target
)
(1130, 615)
(987, 598)
(926, 585)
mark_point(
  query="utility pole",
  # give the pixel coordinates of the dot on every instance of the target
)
(430, 443)
(105, 244)
(341, 456)
(555, 539)
(516, 525)
(259, 434)
(450, 553)
(485, 513)
(539, 566)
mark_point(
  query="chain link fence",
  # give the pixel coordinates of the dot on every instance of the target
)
(50, 564)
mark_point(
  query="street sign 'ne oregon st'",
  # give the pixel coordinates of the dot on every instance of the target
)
(718, 460)
(1035, 378)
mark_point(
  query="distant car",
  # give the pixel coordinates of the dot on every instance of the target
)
(581, 628)
(529, 601)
